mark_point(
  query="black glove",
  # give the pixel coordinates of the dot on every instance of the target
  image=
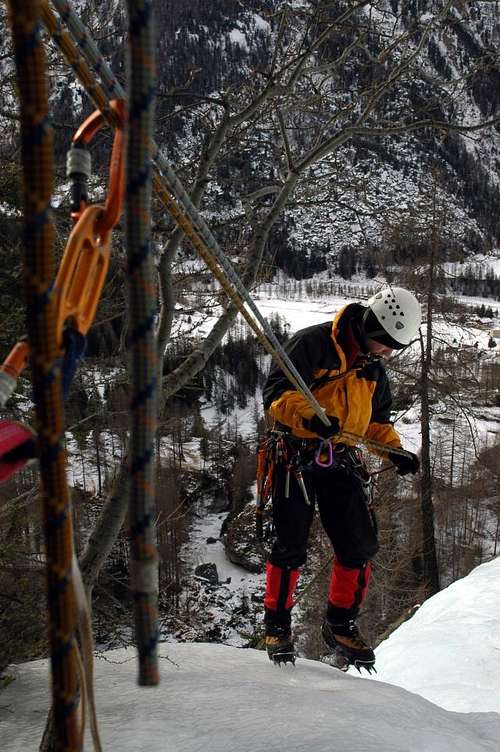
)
(405, 464)
(316, 425)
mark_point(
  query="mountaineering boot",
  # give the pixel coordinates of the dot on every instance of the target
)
(279, 645)
(349, 646)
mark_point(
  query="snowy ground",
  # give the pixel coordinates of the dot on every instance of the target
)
(454, 644)
(217, 698)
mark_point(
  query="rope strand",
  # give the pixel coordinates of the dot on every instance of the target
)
(38, 180)
(144, 361)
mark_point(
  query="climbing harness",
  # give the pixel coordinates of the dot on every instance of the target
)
(273, 450)
(299, 456)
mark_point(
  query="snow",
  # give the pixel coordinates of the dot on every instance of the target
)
(199, 551)
(237, 37)
(454, 643)
(261, 23)
(301, 313)
(215, 697)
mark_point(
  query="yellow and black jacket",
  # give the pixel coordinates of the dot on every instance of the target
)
(345, 382)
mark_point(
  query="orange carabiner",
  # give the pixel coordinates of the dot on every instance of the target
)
(116, 183)
(82, 273)
(85, 262)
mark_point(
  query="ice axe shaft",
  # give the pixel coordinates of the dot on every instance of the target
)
(372, 444)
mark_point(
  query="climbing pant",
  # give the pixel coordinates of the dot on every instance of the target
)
(348, 521)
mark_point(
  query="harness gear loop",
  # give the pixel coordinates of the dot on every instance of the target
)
(266, 459)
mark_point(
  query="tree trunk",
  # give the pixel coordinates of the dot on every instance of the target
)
(106, 530)
(429, 554)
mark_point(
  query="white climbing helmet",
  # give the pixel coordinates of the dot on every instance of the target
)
(393, 317)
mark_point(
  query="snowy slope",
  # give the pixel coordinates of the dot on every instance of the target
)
(217, 698)
(449, 651)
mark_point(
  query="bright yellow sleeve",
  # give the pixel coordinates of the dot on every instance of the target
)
(384, 433)
(290, 408)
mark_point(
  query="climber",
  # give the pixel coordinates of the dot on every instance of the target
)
(342, 363)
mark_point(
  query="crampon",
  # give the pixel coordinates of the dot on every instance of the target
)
(280, 650)
(342, 661)
(349, 647)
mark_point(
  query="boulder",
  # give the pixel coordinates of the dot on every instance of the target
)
(207, 572)
(241, 544)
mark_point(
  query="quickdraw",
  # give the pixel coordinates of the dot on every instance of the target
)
(79, 281)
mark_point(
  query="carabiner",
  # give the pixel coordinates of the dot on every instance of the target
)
(325, 446)
(116, 182)
(85, 262)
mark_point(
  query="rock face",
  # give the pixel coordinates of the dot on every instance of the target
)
(242, 546)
